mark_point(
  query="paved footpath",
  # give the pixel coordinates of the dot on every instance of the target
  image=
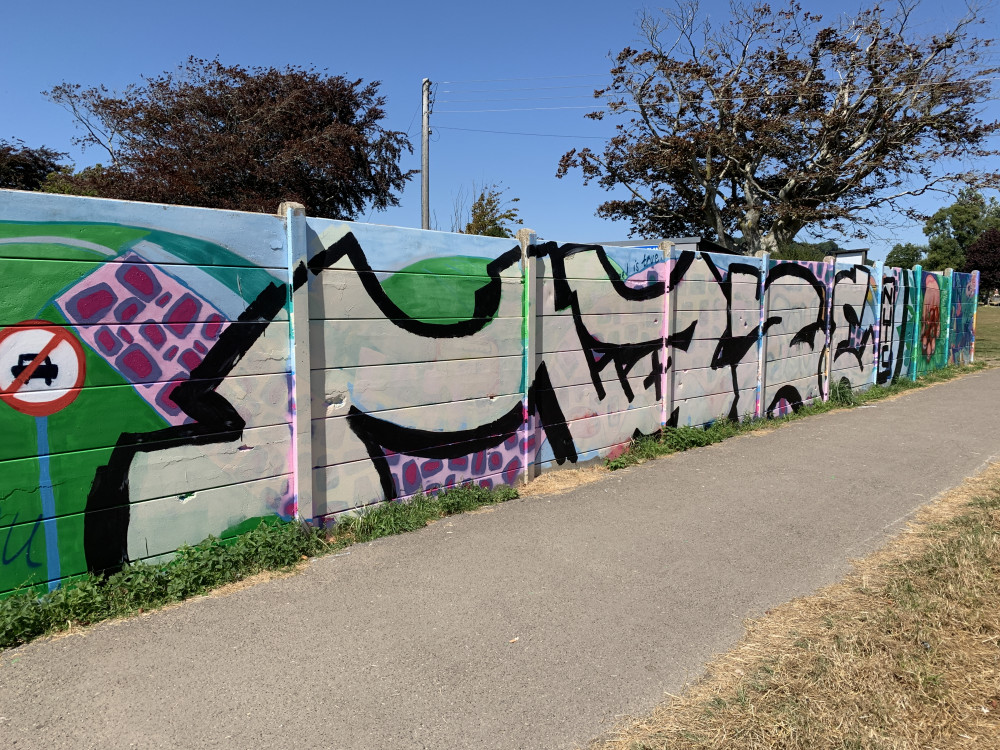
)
(615, 592)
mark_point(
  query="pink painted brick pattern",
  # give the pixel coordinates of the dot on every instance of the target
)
(146, 324)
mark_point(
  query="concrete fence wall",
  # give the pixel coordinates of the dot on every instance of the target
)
(167, 372)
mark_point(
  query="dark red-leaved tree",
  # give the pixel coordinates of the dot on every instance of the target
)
(23, 168)
(983, 255)
(242, 138)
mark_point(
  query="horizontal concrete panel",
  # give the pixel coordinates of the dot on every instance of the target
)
(711, 324)
(572, 367)
(707, 381)
(605, 432)
(397, 386)
(559, 333)
(701, 353)
(703, 410)
(585, 264)
(345, 486)
(354, 487)
(594, 297)
(196, 235)
(708, 295)
(852, 293)
(791, 368)
(261, 401)
(790, 322)
(110, 292)
(261, 452)
(780, 346)
(580, 401)
(334, 441)
(340, 295)
(854, 377)
(390, 249)
(159, 526)
(699, 269)
(141, 353)
(375, 342)
(808, 391)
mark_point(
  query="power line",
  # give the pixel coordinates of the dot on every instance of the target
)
(528, 78)
(519, 88)
(516, 99)
(515, 109)
(710, 100)
(511, 132)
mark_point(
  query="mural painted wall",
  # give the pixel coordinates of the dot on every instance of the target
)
(144, 380)
(962, 336)
(935, 292)
(167, 373)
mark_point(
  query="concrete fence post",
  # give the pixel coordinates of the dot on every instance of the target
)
(946, 312)
(765, 310)
(667, 325)
(831, 290)
(529, 313)
(879, 270)
(918, 278)
(294, 216)
(975, 312)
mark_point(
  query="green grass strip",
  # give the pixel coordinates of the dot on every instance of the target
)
(676, 439)
(193, 571)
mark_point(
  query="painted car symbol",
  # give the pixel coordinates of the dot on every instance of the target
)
(45, 371)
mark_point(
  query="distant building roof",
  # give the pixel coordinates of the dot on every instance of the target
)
(861, 254)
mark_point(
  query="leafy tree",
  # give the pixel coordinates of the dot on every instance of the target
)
(776, 121)
(67, 182)
(983, 255)
(490, 214)
(905, 256)
(812, 251)
(23, 168)
(242, 138)
(952, 229)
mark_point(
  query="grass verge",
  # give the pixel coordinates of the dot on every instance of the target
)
(675, 439)
(988, 334)
(196, 570)
(902, 654)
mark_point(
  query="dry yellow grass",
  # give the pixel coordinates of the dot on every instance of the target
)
(904, 653)
(562, 480)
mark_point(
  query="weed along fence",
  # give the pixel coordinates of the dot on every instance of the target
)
(167, 373)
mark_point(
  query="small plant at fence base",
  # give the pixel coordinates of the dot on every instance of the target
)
(215, 562)
(676, 439)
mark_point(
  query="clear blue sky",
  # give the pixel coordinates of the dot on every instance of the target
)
(555, 52)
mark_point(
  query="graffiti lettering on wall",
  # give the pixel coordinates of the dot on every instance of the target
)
(146, 377)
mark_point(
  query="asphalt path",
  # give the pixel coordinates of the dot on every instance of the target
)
(536, 625)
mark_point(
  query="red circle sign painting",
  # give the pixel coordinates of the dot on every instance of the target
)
(42, 367)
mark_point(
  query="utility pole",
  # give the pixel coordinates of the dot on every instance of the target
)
(425, 159)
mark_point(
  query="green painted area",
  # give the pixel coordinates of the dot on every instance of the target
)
(438, 288)
(26, 286)
(234, 532)
(112, 236)
(81, 435)
(92, 419)
(219, 263)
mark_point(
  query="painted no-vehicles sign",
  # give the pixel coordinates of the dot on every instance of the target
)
(41, 367)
